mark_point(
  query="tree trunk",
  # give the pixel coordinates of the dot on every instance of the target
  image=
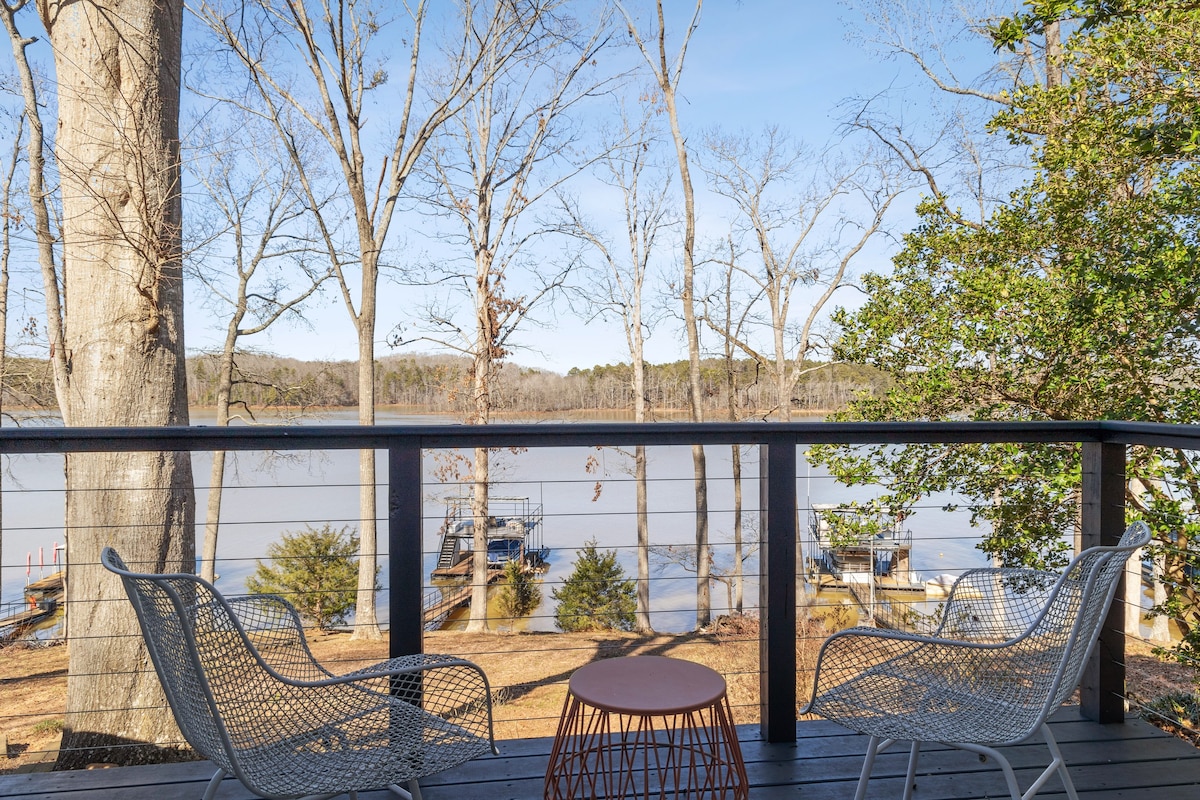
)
(739, 577)
(118, 68)
(479, 526)
(1160, 631)
(481, 388)
(6, 218)
(695, 396)
(642, 615)
(699, 464)
(216, 481)
(212, 517)
(637, 346)
(39, 204)
(1133, 594)
(366, 624)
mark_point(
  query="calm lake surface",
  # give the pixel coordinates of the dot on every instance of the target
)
(586, 494)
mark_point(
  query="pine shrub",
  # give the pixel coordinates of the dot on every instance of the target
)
(316, 569)
(520, 594)
(596, 595)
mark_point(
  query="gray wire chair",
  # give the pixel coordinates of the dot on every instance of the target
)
(1010, 649)
(248, 694)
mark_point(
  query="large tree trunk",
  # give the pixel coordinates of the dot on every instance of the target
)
(118, 152)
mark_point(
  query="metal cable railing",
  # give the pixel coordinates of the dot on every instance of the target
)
(527, 682)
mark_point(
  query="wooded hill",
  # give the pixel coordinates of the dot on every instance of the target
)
(439, 384)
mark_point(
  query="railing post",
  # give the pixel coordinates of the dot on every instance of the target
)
(777, 591)
(1102, 690)
(404, 589)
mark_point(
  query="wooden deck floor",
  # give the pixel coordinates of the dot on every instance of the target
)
(1133, 760)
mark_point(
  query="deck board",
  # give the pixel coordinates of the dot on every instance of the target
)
(1107, 762)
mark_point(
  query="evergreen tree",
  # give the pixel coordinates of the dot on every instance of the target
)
(520, 594)
(596, 595)
(1076, 299)
(315, 569)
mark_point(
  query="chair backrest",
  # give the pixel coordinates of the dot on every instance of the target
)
(201, 652)
(1042, 625)
(1047, 623)
(1085, 591)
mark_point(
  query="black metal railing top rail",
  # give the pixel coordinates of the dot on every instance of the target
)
(566, 434)
(1103, 508)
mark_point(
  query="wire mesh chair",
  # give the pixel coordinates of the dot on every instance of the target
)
(1010, 649)
(248, 694)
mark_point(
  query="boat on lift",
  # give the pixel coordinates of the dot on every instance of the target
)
(514, 533)
(846, 550)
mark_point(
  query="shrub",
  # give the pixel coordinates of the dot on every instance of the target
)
(1177, 712)
(520, 594)
(596, 595)
(316, 569)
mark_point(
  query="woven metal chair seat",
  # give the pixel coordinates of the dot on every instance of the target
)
(1010, 649)
(248, 694)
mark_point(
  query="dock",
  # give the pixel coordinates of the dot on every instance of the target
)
(42, 598)
(439, 603)
(462, 570)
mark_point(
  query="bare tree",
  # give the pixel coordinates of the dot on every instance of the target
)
(802, 237)
(511, 146)
(341, 66)
(117, 146)
(958, 164)
(39, 201)
(730, 319)
(619, 285)
(667, 74)
(8, 217)
(262, 230)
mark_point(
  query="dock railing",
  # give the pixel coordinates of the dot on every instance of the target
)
(1102, 491)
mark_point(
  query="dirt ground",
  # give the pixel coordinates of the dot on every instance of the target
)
(528, 673)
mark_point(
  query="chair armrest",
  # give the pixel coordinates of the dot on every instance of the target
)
(445, 686)
(439, 684)
(435, 681)
(276, 633)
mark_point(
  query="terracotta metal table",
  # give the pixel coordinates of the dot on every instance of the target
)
(646, 727)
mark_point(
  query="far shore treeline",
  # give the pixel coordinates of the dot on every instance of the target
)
(440, 384)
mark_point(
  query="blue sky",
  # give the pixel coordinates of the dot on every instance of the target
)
(750, 65)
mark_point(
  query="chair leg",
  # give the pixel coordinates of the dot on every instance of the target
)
(1068, 784)
(868, 764)
(413, 792)
(1010, 777)
(1057, 764)
(213, 784)
(910, 779)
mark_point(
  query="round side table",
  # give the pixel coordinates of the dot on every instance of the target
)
(646, 727)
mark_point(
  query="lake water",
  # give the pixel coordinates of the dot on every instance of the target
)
(268, 494)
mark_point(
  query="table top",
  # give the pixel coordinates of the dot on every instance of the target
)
(647, 685)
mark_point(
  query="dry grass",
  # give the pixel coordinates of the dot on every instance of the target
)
(528, 673)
